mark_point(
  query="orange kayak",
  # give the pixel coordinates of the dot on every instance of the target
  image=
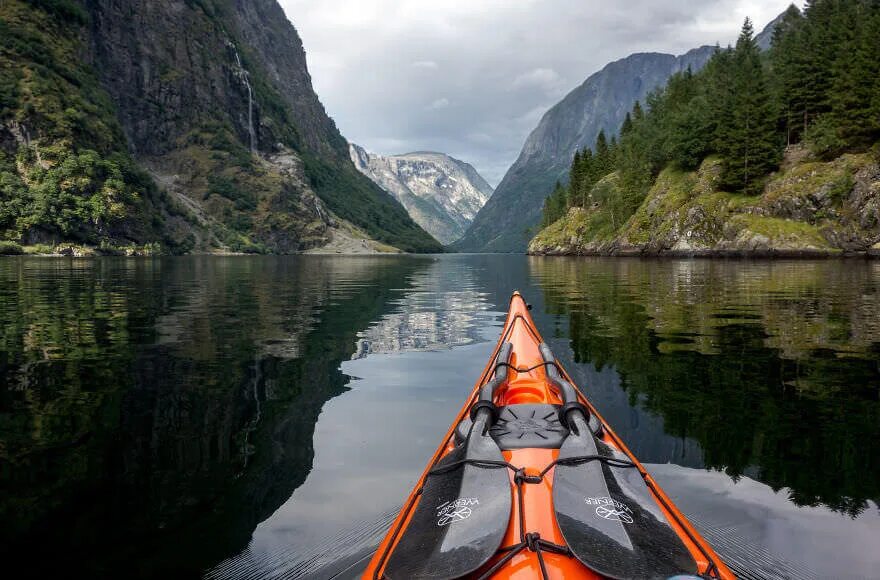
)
(531, 482)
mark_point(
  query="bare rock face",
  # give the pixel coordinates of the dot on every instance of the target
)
(172, 66)
(441, 193)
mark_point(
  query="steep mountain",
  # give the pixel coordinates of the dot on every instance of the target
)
(441, 193)
(211, 97)
(764, 39)
(601, 102)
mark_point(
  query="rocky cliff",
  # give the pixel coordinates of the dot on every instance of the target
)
(441, 193)
(211, 97)
(809, 208)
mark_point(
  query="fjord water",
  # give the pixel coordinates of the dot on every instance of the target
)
(264, 417)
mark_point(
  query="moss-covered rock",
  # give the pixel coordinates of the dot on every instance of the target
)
(808, 208)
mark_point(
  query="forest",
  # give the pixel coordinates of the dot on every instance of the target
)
(818, 85)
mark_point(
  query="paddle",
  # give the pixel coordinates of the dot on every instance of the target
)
(462, 514)
(607, 514)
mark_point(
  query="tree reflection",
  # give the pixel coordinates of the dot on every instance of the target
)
(768, 368)
(155, 411)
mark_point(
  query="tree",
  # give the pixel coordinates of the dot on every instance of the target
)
(603, 158)
(627, 126)
(751, 148)
(785, 57)
(853, 97)
(555, 205)
(575, 179)
(588, 179)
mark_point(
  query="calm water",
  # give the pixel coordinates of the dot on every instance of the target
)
(264, 417)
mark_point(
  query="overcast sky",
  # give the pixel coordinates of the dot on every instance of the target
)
(472, 78)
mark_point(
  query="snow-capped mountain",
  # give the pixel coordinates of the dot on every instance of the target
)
(441, 194)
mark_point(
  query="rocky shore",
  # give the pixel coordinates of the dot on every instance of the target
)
(810, 208)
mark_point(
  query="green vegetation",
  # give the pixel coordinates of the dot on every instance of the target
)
(820, 84)
(10, 249)
(69, 176)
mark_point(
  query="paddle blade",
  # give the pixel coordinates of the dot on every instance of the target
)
(461, 518)
(609, 518)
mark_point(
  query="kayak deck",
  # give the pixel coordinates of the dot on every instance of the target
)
(520, 409)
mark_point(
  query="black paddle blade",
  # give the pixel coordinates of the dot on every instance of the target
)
(609, 518)
(461, 517)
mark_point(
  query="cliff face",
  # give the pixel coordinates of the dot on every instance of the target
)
(212, 97)
(170, 65)
(809, 208)
(441, 194)
(601, 102)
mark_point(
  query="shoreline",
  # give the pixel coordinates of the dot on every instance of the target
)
(780, 254)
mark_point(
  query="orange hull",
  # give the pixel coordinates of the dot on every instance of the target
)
(529, 385)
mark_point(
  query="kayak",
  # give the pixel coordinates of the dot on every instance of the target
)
(531, 482)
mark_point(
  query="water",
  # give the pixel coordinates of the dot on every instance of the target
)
(264, 417)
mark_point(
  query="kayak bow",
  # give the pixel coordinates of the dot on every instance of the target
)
(531, 482)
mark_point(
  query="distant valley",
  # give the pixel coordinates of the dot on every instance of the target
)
(441, 193)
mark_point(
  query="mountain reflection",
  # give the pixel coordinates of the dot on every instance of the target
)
(441, 312)
(157, 410)
(772, 367)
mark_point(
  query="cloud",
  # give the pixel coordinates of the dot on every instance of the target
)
(543, 79)
(441, 103)
(433, 74)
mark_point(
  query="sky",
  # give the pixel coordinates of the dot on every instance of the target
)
(472, 78)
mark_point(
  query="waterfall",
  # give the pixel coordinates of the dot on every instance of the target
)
(245, 77)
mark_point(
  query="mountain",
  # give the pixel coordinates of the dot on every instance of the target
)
(192, 123)
(601, 102)
(764, 39)
(441, 193)
(509, 218)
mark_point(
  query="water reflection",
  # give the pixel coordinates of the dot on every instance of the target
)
(156, 410)
(771, 367)
(440, 311)
(264, 417)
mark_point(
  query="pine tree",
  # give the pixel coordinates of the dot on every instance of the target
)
(719, 89)
(752, 149)
(588, 179)
(852, 96)
(603, 156)
(826, 29)
(784, 59)
(627, 126)
(575, 179)
(637, 113)
(687, 127)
